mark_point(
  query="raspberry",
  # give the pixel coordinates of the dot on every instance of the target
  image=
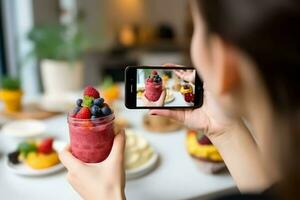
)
(154, 72)
(91, 92)
(84, 113)
(204, 140)
(46, 146)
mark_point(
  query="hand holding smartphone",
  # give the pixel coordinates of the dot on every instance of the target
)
(162, 87)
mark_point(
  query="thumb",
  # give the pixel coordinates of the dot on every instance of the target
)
(161, 100)
(68, 160)
(118, 148)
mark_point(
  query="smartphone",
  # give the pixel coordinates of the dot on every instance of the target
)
(162, 87)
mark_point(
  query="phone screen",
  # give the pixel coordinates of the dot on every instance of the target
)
(165, 87)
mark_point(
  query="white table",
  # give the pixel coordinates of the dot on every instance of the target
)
(176, 177)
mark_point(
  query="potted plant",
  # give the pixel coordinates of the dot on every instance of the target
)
(60, 49)
(11, 94)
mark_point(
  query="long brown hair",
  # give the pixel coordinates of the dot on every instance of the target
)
(269, 32)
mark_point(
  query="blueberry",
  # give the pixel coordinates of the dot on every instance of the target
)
(95, 110)
(79, 102)
(106, 110)
(14, 157)
(93, 117)
(76, 110)
(99, 102)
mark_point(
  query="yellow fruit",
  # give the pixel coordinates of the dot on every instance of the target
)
(41, 161)
(204, 151)
(188, 90)
(111, 93)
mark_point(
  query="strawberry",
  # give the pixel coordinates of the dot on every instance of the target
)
(84, 113)
(192, 97)
(187, 97)
(46, 146)
(154, 72)
(91, 92)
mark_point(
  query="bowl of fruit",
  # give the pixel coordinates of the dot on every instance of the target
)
(36, 157)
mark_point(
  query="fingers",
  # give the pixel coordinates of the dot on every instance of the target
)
(178, 73)
(161, 100)
(118, 148)
(178, 115)
(68, 160)
(172, 65)
(145, 100)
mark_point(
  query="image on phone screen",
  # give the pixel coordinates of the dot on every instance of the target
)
(165, 87)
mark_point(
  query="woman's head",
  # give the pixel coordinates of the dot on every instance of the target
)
(248, 53)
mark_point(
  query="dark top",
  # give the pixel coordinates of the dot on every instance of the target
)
(266, 195)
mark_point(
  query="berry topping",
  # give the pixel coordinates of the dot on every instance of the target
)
(91, 92)
(46, 146)
(204, 140)
(154, 72)
(79, 102)
(88, 101)
(96, 111)
(106, 110)
(99, 102)
(91, 106)
(94, 117)
(189, 97)
(13, 157)
(84, 113)
(75, 111)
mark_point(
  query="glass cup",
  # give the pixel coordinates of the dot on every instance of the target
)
(91, 140)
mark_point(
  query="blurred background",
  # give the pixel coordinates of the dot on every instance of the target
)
(98, 38)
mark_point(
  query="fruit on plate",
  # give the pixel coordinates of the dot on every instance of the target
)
(199, 146)
(189, 97)
(186, 88)
(37, 160)
(140, 92)
(204, 152)
(37, 154)
(137, 151)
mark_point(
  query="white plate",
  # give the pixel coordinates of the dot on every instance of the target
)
(24, 128)
(143, 169)
(24, 170)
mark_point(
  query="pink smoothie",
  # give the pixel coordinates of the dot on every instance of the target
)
(91, 140)
(153, 90)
